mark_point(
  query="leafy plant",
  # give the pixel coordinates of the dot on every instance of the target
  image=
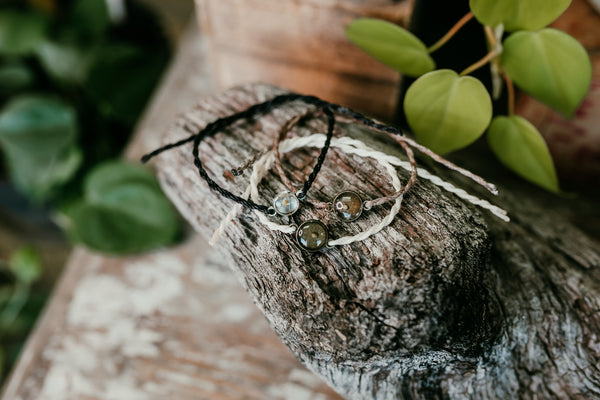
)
(76, 83)
(448, 111)
(73, 82)
(123, 210)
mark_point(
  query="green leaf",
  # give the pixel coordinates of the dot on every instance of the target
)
(25, 264)
(64, 62)
(38, 137)
(15, 77)
(549, 65)
(519, 145)
(39, 177)
(20, 33)
(447, 112)
(518, 14)
(391, 45)
(38, 126)
(123, 211)
(114, 175)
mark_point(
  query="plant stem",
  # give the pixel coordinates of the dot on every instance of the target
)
(489, 33)
(451, 32)
(488, 57)
(510, 91)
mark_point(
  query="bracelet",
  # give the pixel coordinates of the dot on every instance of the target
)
(350, 146)
(313, 235)
(351, 206)
(251, 112)
(278, 101)
(348, 204)
(288, 201)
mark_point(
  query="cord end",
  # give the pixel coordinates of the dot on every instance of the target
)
(493, 189)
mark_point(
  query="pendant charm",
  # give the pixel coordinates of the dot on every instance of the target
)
(286, 203)
(312, 235)
(348, 205)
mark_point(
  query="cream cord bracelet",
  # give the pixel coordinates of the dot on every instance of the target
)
(349, 146)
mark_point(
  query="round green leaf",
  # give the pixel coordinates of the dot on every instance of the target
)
(20, 33)
(549, 65)
(518, 14)
(519, 146)
(123, 211)
(40, 176)
(37, 125)
(113, 175)
(38, 136)
(25, 264)
(15, 77)
(64, 62)
(391, 45)
(446, 111)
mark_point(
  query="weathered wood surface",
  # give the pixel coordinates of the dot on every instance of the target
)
(447, 302)
(302, 47)
(173, 324)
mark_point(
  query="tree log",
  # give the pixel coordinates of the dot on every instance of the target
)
(446, 302)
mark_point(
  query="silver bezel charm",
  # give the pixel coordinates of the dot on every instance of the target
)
(286, 203)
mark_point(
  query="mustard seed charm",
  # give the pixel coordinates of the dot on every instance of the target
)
(348, 205)
(286, 203)
(312, 235)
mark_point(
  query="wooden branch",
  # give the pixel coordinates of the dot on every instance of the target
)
(447, 302)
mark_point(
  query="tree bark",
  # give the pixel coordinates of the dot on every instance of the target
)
(446, 302)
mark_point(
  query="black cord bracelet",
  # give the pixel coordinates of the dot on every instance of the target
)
(329, 109)
(269, 105)
(268, 210)
(257, 109)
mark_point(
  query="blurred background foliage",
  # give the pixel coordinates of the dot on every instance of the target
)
(75, 76)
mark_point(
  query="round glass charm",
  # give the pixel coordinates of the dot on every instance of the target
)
(348, 205)
(286, 203)
(312, 235)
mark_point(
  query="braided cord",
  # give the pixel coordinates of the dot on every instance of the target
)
(251, 112)
(321, 159)
(329, 110)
